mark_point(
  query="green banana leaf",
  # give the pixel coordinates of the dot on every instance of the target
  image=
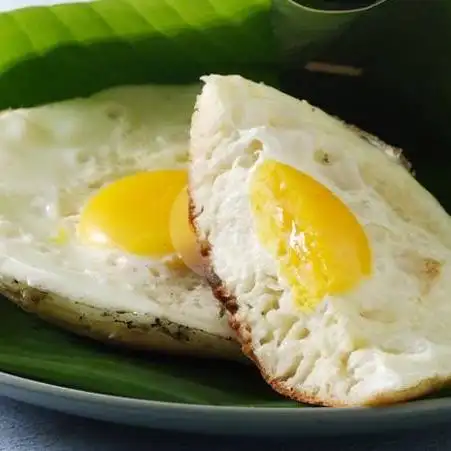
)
(51, 53)
(31, 348)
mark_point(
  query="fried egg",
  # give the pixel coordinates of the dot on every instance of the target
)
(94, 229)
(334, 263)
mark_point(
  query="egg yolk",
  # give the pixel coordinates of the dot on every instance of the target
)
(145, 214)
(183, 235)
(320, 246)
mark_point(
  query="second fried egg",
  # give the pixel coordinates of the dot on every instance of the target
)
(93, 204)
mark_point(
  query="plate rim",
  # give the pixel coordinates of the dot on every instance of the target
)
(414, 407)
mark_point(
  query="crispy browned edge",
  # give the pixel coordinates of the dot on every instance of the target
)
(119, 328)
(244, 332)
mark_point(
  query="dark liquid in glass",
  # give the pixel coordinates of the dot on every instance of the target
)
(336, 4)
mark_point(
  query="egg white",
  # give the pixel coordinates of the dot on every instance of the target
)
(53, 159)
(390, 337)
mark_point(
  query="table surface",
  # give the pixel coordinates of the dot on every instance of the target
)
(29, 428)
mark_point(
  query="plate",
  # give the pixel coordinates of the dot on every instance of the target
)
(261, 421)
(90, 46)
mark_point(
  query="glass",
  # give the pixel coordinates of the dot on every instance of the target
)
(303, 27)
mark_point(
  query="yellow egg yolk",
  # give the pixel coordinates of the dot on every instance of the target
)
(183, 235)
(145, 214)
(320, 246)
